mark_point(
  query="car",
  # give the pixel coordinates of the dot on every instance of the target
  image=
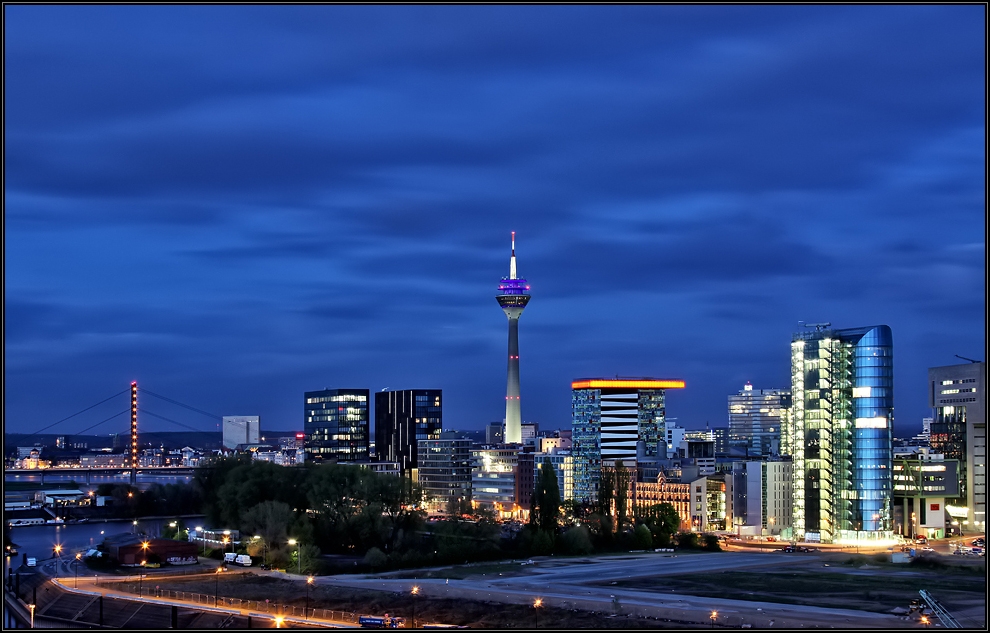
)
(789, 548)
(927, 549)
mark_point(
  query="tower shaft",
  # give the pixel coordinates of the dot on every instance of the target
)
(513, 415)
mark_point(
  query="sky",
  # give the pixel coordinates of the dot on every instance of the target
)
(233, 205)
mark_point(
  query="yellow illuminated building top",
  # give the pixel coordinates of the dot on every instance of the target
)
(627, 384)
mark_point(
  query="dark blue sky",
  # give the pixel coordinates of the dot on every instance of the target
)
(234, 205)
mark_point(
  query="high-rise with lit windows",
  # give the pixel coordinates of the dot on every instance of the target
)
(402, 418)
(610, 419)
(755, 420)
(957, 393)
(840, 437)
(336, 425)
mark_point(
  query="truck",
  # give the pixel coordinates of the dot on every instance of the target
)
(380, 622)
(243, 560)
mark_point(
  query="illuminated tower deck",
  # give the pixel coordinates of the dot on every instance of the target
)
(513, 295)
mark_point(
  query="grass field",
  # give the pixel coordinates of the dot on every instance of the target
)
(867, 587)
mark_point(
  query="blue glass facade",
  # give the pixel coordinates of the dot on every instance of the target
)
(586, 421)
(840, 435)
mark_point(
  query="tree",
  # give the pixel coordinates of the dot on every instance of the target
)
(621, 493)
(270, 520)
(544, 512)
(663, 521)
(606, 491)
(642, 537)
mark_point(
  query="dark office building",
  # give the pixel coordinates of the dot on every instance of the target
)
(402, 418)
(336, 425)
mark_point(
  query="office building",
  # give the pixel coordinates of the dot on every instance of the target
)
(760, 499)
(513, 296)
(610, 418)
(336, 425)
(755, 419)
(445, 470)
(241, 429)
(402, 419)
(493, 479)
(922, 484)
(958, 395)
(842, 410)
(495, 433)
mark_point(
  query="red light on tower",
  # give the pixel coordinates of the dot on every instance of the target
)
(134, 421)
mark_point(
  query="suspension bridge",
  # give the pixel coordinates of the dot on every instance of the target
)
(130, 462)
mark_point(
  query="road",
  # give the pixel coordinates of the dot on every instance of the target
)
(585, 584)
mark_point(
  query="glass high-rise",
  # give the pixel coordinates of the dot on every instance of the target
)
(755, 420)
(336, 425)
(610, 418)
(840, 437)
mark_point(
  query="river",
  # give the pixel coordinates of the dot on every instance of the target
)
(143, 479)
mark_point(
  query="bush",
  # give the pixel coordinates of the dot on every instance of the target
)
(642, 537)
(576, 541)
(687, 540)
(711, 543)
(541, 545)
(375, 558)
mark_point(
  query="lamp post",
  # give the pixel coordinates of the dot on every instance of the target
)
(141, 578)
(309, 581)
(713, 617)
(32, 606)
(78, 558)
(925, 620)
(58, 557)
(293, 541)
(415, 592)
(536, 610)
(134, 527)
(225, 540)
(278, 622)
(216, 588)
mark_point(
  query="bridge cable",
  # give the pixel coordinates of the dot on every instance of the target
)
(176, 402)
(161, 417)
(38, 432)
(127, 410)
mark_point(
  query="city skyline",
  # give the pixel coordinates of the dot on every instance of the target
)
(237, 205)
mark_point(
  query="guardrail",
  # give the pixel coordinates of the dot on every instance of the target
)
(208, 600)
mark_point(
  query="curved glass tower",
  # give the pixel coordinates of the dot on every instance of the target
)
(841, 444)
(513, 295)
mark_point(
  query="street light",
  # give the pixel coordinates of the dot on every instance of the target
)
(278, 622)
(225, 540)
(415, 592)
(134, 527)
(713, 617)
(925, 620)
(58, 554)
(32, 606)
(536, 610)
(78, 558)
(293, 541)
(216, 589)
(141, 578)
(309, 581)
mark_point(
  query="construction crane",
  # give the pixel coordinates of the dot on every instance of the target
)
(818, 326)
(964, 358)
(947, 620)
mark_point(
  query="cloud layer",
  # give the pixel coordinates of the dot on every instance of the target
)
(234, 205)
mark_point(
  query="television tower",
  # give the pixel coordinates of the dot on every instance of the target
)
(513, 295)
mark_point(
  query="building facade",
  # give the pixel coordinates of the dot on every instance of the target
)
(402, 419)
(957, 394)
(493, 479)
(922, 484)
(445, 469)
(241, 429)
(761, 497)
(843, 407)
(336, 425)
(755, 420)
(610, 419)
